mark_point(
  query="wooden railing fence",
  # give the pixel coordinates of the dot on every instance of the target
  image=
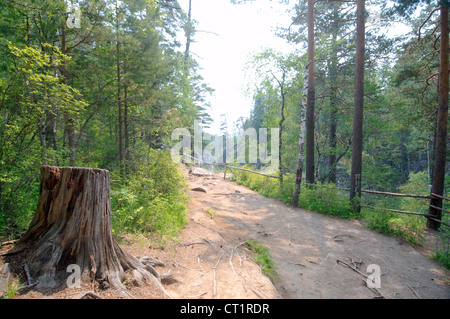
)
(432, 195)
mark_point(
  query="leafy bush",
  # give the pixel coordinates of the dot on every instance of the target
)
(154, 200)
(409, 227)
(318, 198)
(19, 195)
(326, 199)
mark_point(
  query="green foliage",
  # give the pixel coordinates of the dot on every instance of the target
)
(442, 252)
(263, 258)
(325, 199)
(154, 201)
(409, 227)
(12, 289)
(417, 184)
(54, 78)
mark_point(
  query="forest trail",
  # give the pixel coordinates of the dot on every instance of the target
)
(210, 259)
(305, 246)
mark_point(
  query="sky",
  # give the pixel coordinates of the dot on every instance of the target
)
(226, 36)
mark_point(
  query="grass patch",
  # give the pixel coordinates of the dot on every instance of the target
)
(12, 289)
(263, 258)
(211, 212)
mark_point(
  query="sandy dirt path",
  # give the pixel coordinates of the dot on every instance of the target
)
(313, 253)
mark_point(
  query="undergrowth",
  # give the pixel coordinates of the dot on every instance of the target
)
(154, 201)
(318, 198)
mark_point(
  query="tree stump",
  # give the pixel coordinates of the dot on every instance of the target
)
(72, 225)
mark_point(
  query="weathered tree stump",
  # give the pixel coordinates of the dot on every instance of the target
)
(72, 225)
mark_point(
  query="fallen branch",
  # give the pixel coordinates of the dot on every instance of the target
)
(362, 274)
(214, 276)
(415, 292)
(354, 269)
(263, 233)
(192, 243)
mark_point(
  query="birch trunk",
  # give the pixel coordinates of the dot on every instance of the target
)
(301, 141)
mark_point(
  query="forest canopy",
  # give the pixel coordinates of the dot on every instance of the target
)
(96, 84)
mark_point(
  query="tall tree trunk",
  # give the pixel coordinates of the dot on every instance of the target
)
(67, 117)
(72, 226)
(125, 124)
(440, 157)
(333, 101)
(355, 182)
(280, 132)
(301, 141)
(119, 99)
(188, 31)
(311, 97)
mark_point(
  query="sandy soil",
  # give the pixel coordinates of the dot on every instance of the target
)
(316, 256)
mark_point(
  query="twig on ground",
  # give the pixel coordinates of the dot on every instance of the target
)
(263, 233)
(205, 239)
(198, 261)
(192, 243)
(380, 295)
(415, 292)
(354, 269)
(214, 276)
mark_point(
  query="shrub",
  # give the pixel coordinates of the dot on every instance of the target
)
(326, 199)
(318, 198)
(154, 200)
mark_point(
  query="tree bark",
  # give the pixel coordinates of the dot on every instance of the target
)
(67, 117)
(311, 97)
(280, 132)
(355, 182)
(72, 225)
(333, 69)
(440, 158)
(301, 141)
(119, 99)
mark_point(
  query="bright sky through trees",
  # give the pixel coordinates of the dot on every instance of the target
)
(226, 35)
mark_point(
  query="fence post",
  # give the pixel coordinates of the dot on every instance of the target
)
(225, 172)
